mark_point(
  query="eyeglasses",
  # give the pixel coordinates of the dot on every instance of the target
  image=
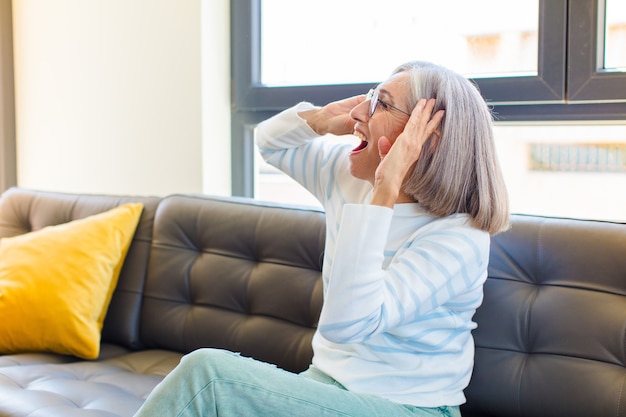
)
(372, 95)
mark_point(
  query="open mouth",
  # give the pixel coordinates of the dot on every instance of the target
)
(360, 146)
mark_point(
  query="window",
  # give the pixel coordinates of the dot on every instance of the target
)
(563, 89)
(569, 170)
(535, 75)
(615, 35)
(358, 50)
(589, 80)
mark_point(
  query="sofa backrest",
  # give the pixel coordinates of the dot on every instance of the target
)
(551, 336)
(234, 274)
(23, 211)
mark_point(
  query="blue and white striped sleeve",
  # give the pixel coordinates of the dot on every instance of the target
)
(444, 264)
(288, 143)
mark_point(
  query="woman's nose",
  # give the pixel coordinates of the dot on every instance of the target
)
(360, 111)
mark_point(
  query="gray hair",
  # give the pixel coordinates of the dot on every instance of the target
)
(457, 172)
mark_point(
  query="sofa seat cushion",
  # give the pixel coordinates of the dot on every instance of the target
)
(111, 387)
(107, 351)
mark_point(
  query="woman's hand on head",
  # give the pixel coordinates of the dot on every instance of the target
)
(398, 158)
(333, 118)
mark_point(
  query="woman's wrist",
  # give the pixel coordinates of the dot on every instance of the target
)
(315, 120)
(385, 193)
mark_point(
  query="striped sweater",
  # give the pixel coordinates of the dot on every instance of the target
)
(400, 285)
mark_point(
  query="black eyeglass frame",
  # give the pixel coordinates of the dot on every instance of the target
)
(372, 96)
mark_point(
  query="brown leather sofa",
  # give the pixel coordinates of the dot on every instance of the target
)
(243, 275)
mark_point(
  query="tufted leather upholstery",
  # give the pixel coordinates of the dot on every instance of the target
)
(245, 276)
(229, 274)
(104, 388)
(551, 336)
(201, 272)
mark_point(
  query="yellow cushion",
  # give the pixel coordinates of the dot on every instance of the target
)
(56, 283)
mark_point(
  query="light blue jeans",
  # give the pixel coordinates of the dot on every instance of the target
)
(212, 382)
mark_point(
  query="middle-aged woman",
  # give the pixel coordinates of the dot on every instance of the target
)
(409, 212)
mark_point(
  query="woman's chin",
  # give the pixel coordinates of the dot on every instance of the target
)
(358, 171)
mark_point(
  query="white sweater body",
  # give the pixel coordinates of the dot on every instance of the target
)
(400, 285)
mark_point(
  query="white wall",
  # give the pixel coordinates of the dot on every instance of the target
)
(109, 96)
(216, 103)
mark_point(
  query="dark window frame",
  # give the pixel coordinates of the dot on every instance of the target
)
(587, 82)
(570, 84)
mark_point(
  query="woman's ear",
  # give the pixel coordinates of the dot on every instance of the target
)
(384, 145)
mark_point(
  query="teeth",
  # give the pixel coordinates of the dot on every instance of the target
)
(363, 144)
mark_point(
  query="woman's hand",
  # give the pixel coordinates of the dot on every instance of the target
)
(398, 158)
(333, 118)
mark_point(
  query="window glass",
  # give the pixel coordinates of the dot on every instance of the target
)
(615, 35)
(270, 184)
(574, 171)
(565, 170)
(356, 41)
(552, 167)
